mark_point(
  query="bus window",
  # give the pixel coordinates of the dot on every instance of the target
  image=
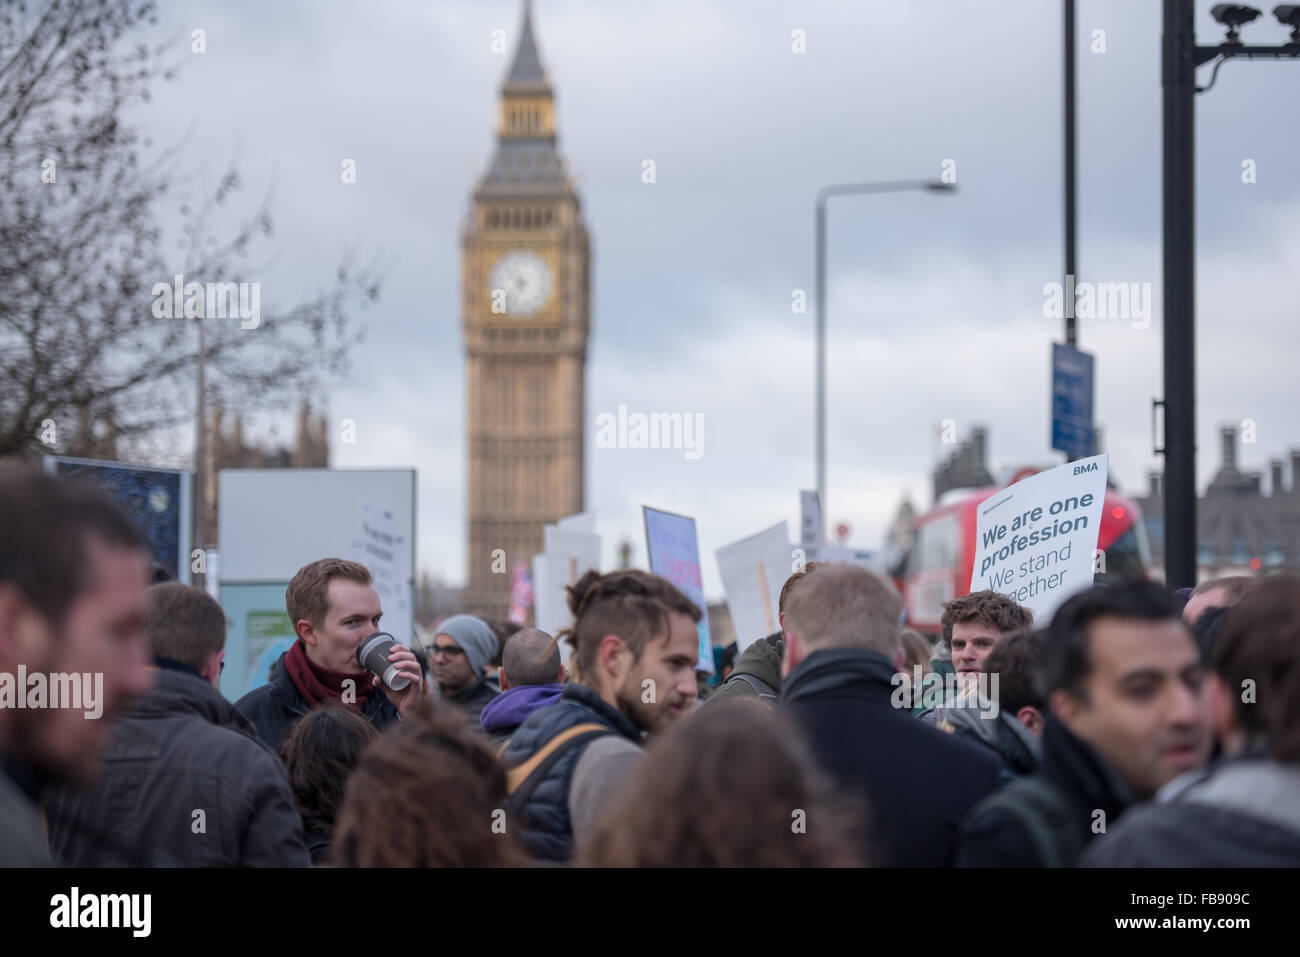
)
(936, 545)
(1124, 558)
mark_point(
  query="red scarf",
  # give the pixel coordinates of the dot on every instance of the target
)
(318, 684)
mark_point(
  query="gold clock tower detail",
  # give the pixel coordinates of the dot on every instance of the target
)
(525, 308)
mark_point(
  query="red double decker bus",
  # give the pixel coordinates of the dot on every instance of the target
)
(942, 556)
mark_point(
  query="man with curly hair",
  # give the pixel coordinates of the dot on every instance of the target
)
(972, 626)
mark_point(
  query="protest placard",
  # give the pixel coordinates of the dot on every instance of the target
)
(675, 555)
(843, 555)
(753, 571)
(384, 549)
(570, 552)
(1035, 540)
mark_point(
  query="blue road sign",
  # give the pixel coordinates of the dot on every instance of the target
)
(1072, 430)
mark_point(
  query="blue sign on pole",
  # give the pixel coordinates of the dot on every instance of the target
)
(1072, 430)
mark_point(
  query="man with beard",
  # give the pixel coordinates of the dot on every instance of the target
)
(73, 572)
(635, 645)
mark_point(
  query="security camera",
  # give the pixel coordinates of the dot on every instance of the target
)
(1233, 15)
(1288, 14)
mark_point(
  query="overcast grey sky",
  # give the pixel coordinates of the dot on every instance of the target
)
(935, 305)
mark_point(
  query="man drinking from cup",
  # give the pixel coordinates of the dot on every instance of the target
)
(333, 606)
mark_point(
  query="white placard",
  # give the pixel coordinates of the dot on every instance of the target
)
(842, 555)
(1035, 540)
(384, 549)
(570, 552)
(753, 571)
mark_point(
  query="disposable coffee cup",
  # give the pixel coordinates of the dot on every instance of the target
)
(372, 654)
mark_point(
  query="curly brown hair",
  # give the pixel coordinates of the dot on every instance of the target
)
(986, 608)
(425, 794)
(733, 785)
(630, 603)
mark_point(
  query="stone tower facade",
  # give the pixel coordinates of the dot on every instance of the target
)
(525, 308)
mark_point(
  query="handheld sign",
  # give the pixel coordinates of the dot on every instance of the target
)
(383, 548)
(675, 555)
(1035, 540)
(753, 571)
(569, 553)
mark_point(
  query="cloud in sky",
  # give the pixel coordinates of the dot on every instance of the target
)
(935, 303)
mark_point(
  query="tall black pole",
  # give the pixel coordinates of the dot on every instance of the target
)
(1070, 334)
(1178, 77)
(821, 360)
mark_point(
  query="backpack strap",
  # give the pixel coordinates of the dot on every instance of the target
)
(1037, 805)
(522, 780)
(761, 687)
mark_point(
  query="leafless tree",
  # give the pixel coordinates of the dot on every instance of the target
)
(82, 195)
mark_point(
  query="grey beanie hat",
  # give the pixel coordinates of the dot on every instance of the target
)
(474, 635)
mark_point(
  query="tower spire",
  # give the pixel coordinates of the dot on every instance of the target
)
(526, 72)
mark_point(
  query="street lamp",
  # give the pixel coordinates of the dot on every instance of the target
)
(1180, 58)
(843, 189)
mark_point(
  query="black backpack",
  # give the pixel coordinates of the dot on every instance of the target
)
(1051, 819)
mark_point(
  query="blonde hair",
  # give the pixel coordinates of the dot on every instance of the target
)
(843, 606)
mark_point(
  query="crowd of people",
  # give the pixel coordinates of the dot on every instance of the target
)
(1136, 727)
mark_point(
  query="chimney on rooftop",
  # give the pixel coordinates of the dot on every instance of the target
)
(1228, 435)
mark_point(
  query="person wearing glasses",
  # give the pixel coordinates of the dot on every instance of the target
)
(461, 647)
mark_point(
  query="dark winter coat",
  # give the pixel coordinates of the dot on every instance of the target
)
(472, 701)
(761, 661)
(22, 840)
(185, 783)
(1074, 795)
(545, 828)
(918, 783)
(1245, 812)
(276, 706)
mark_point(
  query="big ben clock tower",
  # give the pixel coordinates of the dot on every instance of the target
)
(525, 315)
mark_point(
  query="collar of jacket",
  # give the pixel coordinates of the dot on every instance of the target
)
(171, 664)
(834, 668)
(183, 690)
(284, 691)
(466, 695)
(1251, 783)
(611, 716)
(1003, 732)
(25, 776)
(1079, 771)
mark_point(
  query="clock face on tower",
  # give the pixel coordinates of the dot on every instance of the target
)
(525, 280)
